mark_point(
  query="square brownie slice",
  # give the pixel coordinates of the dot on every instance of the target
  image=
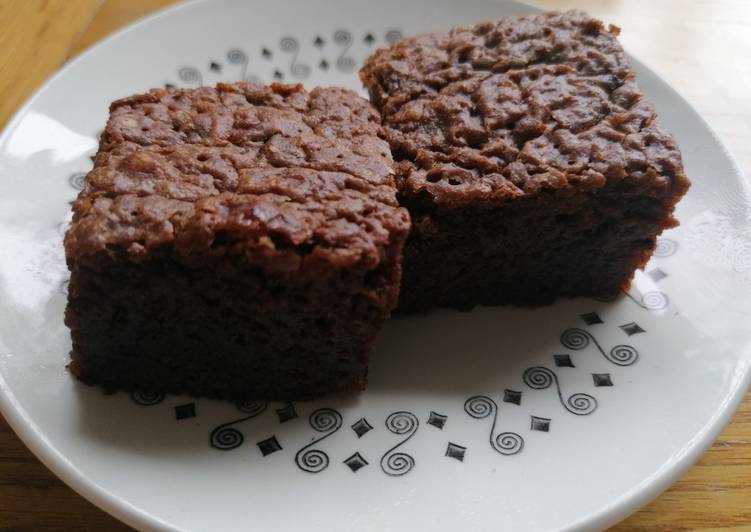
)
(236, 242)
(531, 163)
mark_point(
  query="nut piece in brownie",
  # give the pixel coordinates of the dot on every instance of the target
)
(237, 242)
(530, 162)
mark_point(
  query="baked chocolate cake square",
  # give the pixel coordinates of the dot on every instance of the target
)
(530, 162)
(236, 242)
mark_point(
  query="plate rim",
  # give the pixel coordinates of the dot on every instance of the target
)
(619, 508)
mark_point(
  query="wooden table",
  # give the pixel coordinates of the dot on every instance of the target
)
(702, 47)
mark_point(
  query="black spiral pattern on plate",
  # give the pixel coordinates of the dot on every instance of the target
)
(77, 180)
(291, 46)
(623, 355)
(344, 62)
(190, 75)
(392, 36)
(237, 57)
(665, 247)
(541, 378)
(251, 407)
(578, 339)
(506, 443)
(394, 463)
(653, 300)
(325, 420)
(147, 398)
(226, 437)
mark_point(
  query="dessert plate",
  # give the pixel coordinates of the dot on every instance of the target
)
(564, 417)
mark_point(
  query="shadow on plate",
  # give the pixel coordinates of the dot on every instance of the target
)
(443, 353)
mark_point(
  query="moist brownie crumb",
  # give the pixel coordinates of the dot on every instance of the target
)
(238, 242)
(531, 163)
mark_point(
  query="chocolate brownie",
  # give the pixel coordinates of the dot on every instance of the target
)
(530, 161)
(237, 242)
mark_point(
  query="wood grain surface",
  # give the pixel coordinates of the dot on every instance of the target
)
(701, 47)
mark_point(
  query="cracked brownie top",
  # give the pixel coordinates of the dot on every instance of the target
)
(506, 109)
(272, 171)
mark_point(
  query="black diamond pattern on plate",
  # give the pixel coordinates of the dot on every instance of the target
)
(369, 39)
(356, 462)
(185, 411)
(657, 274)
(169, 85)
(631, 328)
(361, 427)
(278, 74)
(286, 412)
(541, 424)
(319, 42)
(215, 67)
(266, 53)
(269, 445)
(455, 451)
(602, 379)
(563, 361)
(591, 318)
(323, 65)
(437, 420)
(512, 396)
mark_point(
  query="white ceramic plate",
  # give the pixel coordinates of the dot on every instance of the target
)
(566, 417)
